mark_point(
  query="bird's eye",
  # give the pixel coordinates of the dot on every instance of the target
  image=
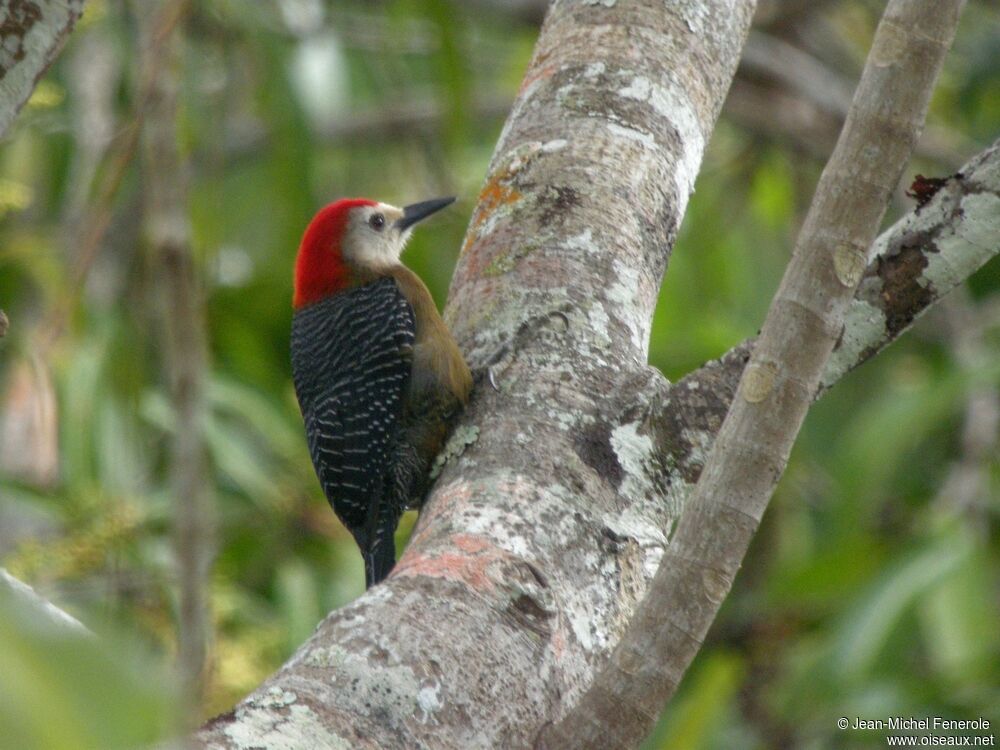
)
(377, 221)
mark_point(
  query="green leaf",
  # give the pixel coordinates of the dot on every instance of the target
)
(65, 691)
(867, 627)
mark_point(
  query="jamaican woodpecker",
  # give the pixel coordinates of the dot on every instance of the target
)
(377, 373)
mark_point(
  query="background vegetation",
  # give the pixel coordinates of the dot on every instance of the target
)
(873, 588)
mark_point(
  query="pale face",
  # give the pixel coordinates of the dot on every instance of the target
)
(372, 239)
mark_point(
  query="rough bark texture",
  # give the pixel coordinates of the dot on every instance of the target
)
(31, 34)
(556, 504)
(777, 387)
(924, 256)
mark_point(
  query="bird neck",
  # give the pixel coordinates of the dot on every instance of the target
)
(319, 276)
(413, 288)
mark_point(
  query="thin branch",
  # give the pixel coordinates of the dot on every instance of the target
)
(778, 384)
(182, 319)
(27, 598)
(920, 259)
(800, 72)
(248, 137)
(782, 91)
(915, 263)
(100, 211)
(771, 13)
(93, 74)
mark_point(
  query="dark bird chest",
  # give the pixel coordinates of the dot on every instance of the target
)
(351, 364)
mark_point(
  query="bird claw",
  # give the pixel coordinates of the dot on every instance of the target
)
(492, 378)
(560, 314)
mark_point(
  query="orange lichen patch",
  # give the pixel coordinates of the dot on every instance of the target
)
(558, 643)
(469, 237)
(468, 563)
(536, 74)
(470, 543)
(495, 194)
(471, 571)
(443, 505)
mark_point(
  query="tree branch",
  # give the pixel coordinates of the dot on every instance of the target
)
(25, 597)
(751, 450)
(805, 101)
(957, 230)
(920, 259)
(800, 72)
(32, 32)
(99, 212)
(182, 319)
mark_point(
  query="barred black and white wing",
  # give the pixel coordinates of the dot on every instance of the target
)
(351, 363)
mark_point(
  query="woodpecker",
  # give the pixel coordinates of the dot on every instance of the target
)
(378, 375)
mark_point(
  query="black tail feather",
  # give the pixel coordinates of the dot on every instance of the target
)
(379, 562)
(376, 539)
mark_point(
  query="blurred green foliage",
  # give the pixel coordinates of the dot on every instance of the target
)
(73, 690)
(873, 588)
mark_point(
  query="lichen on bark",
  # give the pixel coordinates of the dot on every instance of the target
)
(31, 34)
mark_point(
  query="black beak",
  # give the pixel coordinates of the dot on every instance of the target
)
(417, 211)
